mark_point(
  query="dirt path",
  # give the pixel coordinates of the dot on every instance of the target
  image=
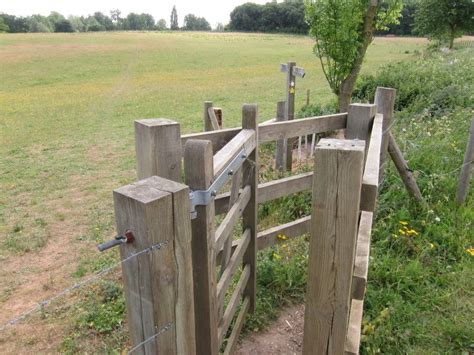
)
(284, 336)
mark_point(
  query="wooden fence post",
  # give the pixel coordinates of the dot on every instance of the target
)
(249, 214)
(207, 120)
(158, 148)
(290, 111)
(280, 155)
(385, 102)
(360, 118)
(466, 167)
(158, 284)
(337, 182)
(199, 172)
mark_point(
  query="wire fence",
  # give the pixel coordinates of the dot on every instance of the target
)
(42, 304)
(153, 337)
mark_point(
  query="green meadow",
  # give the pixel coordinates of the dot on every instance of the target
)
(67, 106)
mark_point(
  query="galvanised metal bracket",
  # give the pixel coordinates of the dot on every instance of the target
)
(204, 197)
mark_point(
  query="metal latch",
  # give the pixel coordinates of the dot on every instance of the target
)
(204, 197)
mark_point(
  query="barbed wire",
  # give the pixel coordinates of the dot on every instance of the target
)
(161, 331)
(44, 303)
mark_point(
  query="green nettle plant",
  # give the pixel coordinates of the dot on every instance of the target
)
(343, 30)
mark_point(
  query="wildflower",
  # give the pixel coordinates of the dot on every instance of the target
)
(437, 219)
(431, 246)
(282, 237)
(401, 232)
(470, 251)
(403, 223)
(276, 256)
(284, 246)
(412, 231)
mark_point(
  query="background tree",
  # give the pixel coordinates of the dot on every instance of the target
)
(77, 23)
(161, 25)
(220, 27)
(445, 19)
(3, 26)
(343, 31)
(15, 24)
(194, 23)
(104, 20)
(38, 23)
(174, 20)
(63, 26)
(115, 17)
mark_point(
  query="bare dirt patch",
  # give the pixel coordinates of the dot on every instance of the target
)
(284, 336)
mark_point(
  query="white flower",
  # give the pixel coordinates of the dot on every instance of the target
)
(437, 219)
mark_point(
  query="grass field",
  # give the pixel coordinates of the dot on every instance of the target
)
(67, 104)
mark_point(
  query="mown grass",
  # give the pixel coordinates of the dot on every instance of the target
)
(67, 103)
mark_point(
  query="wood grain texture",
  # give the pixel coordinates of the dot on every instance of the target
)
(249, 215)
(218, 138)
(335, 209)
(352, 343)
(158, 286)
(213, 118)
(290, 230)
(271, 190)
(199, 172)
(370, 180)
(385, 102)
(465, 176)
(360, 118)
(158, 148)
(402, 167)
(361, 264)
(245, 139)
(300, 127)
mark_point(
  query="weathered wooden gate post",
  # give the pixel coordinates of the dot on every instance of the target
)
(158, 284)
(199, 172)
(158, 148)
(337, 185)
(385, 101)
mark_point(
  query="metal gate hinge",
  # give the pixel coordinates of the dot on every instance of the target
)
(204, 197)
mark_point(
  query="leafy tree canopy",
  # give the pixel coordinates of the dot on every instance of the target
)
(194, 23)
(445, 19)
(343, 31)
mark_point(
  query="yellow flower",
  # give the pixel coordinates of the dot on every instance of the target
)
(401, 231)
(412, 231)
(470, 251)
(282, 237)
(284, 245)
(276, 256)
(403, 223)
(431, 245)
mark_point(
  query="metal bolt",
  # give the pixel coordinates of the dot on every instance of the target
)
(214, 193)
(231, 172)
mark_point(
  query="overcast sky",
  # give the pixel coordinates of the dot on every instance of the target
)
(213, 11)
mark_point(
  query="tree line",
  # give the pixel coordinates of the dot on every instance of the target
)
(56, 22)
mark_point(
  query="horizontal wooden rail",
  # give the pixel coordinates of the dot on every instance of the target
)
(370, 179)
(361, 264)
(245, 139)
(226, 227)
(354, 328)
(273, 130)
(269, 237)
(300, 127)
(233, 303)
(272, 190)
(235, 260)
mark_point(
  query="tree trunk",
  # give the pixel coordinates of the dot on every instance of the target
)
(451, 39)
(347, 85)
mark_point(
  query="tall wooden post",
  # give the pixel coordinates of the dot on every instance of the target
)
(385, 102)
(158, 148)
(199, 172)
(206, 119)
(337, 182)
(158, 284)
(466, 167)
(280, 154)
(360, 118)
(249, 214)
(290, 111)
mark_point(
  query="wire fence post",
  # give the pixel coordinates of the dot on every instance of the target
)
(158, 285)
(385, 101)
